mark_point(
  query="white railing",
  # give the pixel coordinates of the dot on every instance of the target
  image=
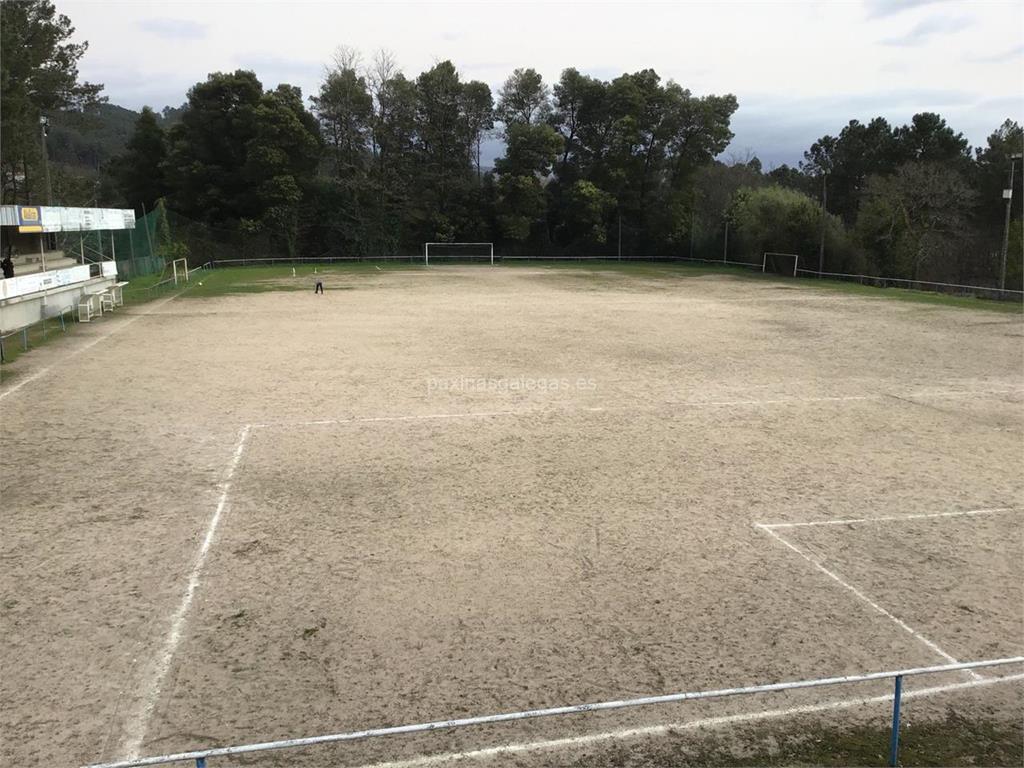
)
(200, 756)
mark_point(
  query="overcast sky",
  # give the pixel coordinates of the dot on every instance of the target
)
(800, 70)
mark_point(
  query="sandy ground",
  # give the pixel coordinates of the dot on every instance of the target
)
(526, 488)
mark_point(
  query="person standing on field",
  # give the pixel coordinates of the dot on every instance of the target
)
(319, 283)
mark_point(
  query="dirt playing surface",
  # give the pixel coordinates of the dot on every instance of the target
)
(468, 490)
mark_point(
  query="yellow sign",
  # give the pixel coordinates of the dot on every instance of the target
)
(29, 219)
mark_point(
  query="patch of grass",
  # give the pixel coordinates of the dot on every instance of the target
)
(14, 345)
(954, 741)
(228, 281)
(261, 279)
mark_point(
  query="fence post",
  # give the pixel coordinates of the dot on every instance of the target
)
(200, 762)
(24, 338)
(894, 741)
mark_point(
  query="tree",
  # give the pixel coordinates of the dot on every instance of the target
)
(478, 107)
(38, 75)
(847, 161)
(916, 218)
(523, 99)
(531, 152)
(575, 98)
(140, 170)
(992, 175)
(281, 158)
(777, 219)
(929, 139)
(585, 214)
(344, 109)
(242, 155)
(443, 138)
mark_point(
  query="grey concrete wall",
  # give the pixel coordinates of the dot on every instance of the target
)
(20, 311)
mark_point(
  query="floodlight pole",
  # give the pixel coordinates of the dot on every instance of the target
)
(1008, 194)
(725, 248)
(620, 233)
(44, 125)
(824, 218)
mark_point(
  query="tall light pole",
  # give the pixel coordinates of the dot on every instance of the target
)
(44, 128)
(1008, 196)
(824, 218)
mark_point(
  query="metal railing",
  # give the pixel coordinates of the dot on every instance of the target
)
(202, 755)
(1003, 294)
(24, 331)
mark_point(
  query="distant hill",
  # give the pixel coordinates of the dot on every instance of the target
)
(85, 141)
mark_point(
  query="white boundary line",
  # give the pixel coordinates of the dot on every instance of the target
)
(75, 352)
(888, 518)
(660, 730)
(846, 585)
(139, 724)
(693, 404)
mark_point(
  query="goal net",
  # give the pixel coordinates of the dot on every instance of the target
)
(458, 252)
(780, 263)
(180, 269)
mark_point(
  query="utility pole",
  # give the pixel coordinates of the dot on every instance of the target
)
(824, 220)
(620, 234)
(1008, 195)
(725, 249)
(693, 224)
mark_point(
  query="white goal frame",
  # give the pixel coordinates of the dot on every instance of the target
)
(426, 251)
(180, 269)
(764, 260)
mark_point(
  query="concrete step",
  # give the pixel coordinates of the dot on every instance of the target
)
(58, 262)
(36, 257)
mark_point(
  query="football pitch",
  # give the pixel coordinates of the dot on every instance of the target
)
(242, 516)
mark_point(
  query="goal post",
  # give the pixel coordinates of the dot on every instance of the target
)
(180, 269)
(780, 263)
(460, 251)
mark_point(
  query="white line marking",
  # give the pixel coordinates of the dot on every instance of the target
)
(136, 732)
(659, 730)
(415, 417)
(644, 407)
(75, 352)
(899, 622)
(888, 518)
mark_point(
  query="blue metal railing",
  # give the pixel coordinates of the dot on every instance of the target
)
(201, 756)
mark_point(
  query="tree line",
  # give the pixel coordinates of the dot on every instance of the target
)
(377, 162)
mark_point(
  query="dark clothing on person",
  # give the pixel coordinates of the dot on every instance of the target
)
(319, 286)
(8, 267)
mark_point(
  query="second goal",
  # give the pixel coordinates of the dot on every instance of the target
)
(437, 252)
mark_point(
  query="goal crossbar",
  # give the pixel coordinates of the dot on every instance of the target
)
(794, 256)
(486, 251)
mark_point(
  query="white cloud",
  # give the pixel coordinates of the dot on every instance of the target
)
(812, 66)
(173, 29)
(929, 28)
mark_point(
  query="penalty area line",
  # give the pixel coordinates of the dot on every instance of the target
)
(849, 587)
(662, 730)
(139, 724)
(888, 518)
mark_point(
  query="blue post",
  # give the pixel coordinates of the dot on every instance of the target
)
(200, 762)
(894, 742)
(24, 338)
